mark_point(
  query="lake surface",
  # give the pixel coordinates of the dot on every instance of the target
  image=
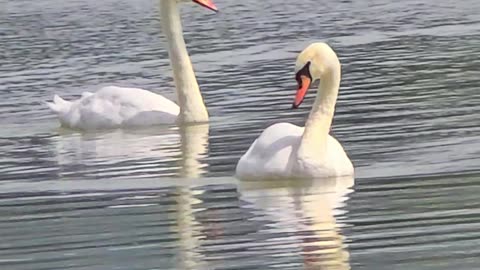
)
(408, 115)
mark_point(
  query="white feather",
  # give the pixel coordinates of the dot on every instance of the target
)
(112, 107)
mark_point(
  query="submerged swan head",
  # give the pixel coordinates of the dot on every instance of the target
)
(205, 3)
(313, 63)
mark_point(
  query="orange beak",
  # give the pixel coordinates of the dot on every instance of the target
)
(207, 3)
(303, 85)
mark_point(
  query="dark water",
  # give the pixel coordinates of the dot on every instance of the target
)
(164, 198)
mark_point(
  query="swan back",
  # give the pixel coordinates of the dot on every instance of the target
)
(112, 107)
(271, 155)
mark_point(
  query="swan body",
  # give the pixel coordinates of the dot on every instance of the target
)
(112, 107)
(118, 107)
(273, 155)
(285, 150)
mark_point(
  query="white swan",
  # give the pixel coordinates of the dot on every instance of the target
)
(284, 150)
(113, 107)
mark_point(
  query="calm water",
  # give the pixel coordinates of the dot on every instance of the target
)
(164, 198)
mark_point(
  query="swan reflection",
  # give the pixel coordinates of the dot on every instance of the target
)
(303, 218)
(194, 149)
(273, 224)
(153, 152)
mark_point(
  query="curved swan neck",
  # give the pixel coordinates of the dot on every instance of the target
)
(320, 119)
(189, 98)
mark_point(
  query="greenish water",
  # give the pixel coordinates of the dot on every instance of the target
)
(164, 198)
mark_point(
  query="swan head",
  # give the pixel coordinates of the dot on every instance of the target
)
(313, 63)
(204, 3)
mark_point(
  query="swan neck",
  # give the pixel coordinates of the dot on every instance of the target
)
(189, 98)
(319, 121)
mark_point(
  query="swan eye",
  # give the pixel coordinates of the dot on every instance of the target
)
(305, 71)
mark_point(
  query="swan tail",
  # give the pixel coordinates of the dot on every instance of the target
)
(59, 105)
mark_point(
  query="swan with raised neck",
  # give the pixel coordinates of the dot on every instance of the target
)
(284, 150)
(123, 107)
(189, 98)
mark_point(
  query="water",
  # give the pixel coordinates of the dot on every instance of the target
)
(165, 198)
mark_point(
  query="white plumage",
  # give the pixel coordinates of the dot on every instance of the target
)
(119, 107)
(274, 155)
(112, 107)
(284, 150)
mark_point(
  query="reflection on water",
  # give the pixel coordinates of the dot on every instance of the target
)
(210, 225)
(408, 96)
(162, 197)
(126, 153)
(194, 147)
(73, 149)
(305, 218)
(221, 223)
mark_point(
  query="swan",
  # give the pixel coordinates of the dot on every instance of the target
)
(116, 107)
(284, 150)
